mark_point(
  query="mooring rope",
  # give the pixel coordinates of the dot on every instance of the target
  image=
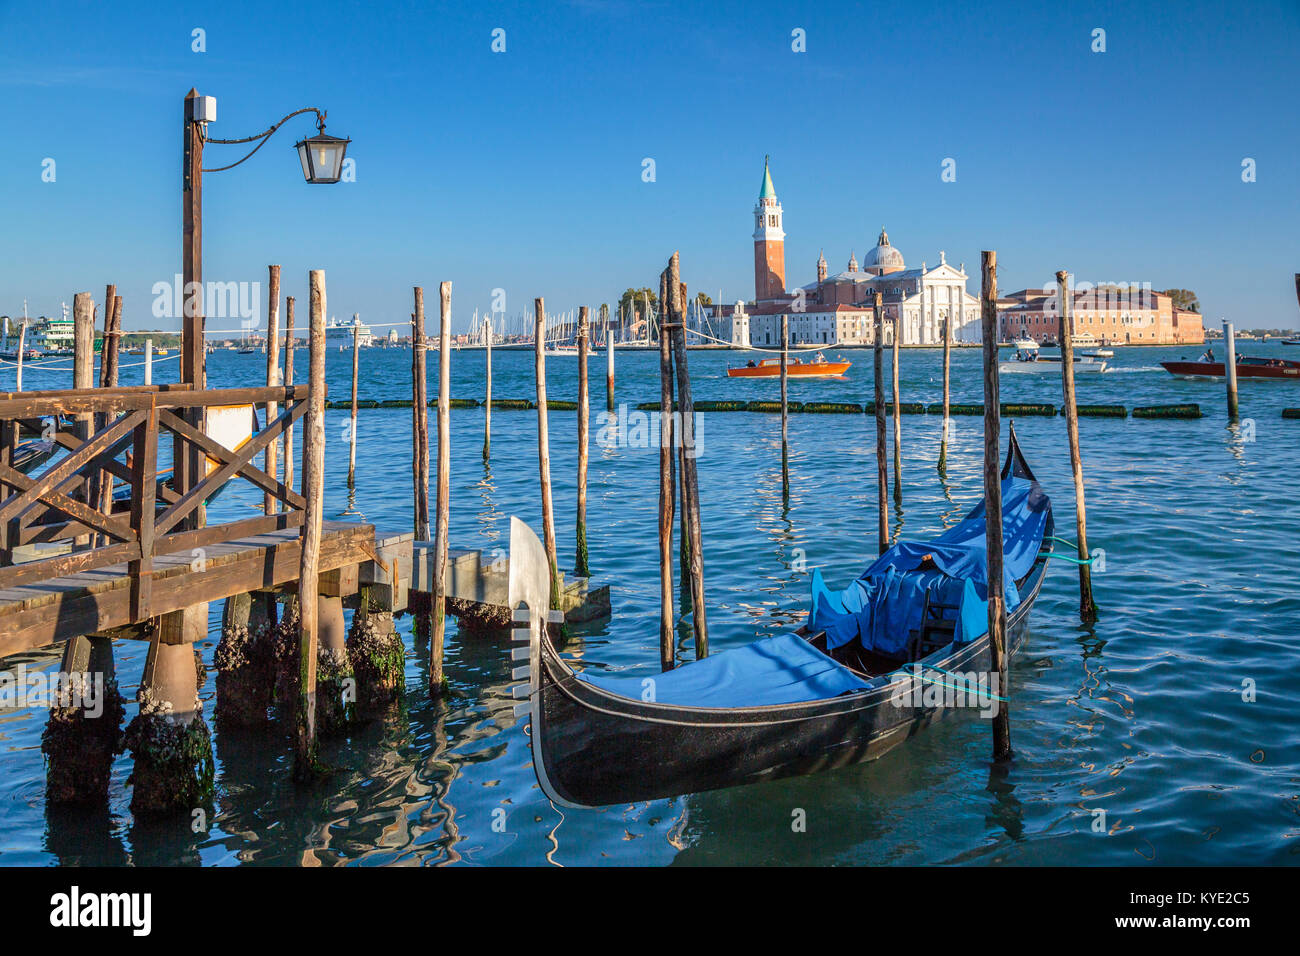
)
(913, 674)
(1066, 557)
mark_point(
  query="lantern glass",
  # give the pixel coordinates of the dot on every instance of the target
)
(322, 158)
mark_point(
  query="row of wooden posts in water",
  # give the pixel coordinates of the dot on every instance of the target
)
(678, 475)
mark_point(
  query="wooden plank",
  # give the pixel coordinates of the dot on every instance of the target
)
(99, 604)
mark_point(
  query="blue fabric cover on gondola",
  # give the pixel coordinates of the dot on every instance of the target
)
(777, 670)
(886, 602)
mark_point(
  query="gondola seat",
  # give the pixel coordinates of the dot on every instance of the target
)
(777, 670)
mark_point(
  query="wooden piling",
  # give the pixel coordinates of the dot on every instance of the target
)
(882, 474)
(487, 400)
(667, 493)
(271, 465)
(352, 428)
(947, 359)
(1230, 369)
(420, 419)
(690, 478)
(437, 683)
(898, 415)
(785, 410)
(544, 451)
(108, 375)
(148, 361)
(22, 343)
(1087, 607)
(580, 567)
(993, 504)
(609, 362)
(288, 380)
(313, 490)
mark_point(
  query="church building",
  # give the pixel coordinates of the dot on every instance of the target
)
(837, 309)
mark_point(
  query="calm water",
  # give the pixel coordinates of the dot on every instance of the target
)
(1141, 716)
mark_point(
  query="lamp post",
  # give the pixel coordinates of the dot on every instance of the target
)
(321, 157)
(322, 162)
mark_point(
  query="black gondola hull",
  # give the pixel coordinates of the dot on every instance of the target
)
(600, 749)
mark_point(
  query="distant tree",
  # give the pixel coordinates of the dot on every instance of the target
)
(633, 300)
(702, 298)
(1183, 299)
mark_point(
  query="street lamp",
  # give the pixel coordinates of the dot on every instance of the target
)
(322, 156)
(322, 162)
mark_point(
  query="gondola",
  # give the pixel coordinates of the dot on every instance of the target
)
(33, 454)
(865, 673)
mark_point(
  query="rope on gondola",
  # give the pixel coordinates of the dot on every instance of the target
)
(1066, 557)
(916, 676)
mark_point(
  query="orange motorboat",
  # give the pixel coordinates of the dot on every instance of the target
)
(795, 368)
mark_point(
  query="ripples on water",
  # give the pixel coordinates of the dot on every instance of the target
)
(1141, 716)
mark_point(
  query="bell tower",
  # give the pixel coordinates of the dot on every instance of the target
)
(769, 242)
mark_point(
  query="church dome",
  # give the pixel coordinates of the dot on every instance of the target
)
(884, 258)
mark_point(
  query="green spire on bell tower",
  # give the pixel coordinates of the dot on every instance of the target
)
(768, 191)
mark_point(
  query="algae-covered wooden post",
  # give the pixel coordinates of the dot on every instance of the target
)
(690, 478)
(313, 490)
(288, 380)
(437, 684)
(420, 418)
(1230, 369)
(580, 558)
(993, 505)
(352, 424)
(785, 409)
(544, 450)
(882, 474)
(487, 399)
(667, 493)
(1087, 607)
(898, 417)
(609, 362)
(269, 502)
(947, 393)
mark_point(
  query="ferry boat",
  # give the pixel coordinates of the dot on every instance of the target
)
(795, 368)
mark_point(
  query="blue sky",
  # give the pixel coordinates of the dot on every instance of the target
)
(523, 170)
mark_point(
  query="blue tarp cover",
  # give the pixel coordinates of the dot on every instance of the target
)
(777, 670)
(885, 603)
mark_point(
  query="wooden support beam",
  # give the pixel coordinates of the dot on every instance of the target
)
(288, 383)
(271, 464)
(313, 489)
(487, 398)
(544, 449)
(882, 475)
(437, 683)
(898, 414)
(580, 522)
(420, 418)
(1087, 607)
(667, 492)
(690, 478)
(993, 505)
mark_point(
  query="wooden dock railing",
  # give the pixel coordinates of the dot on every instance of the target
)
(163, 515)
